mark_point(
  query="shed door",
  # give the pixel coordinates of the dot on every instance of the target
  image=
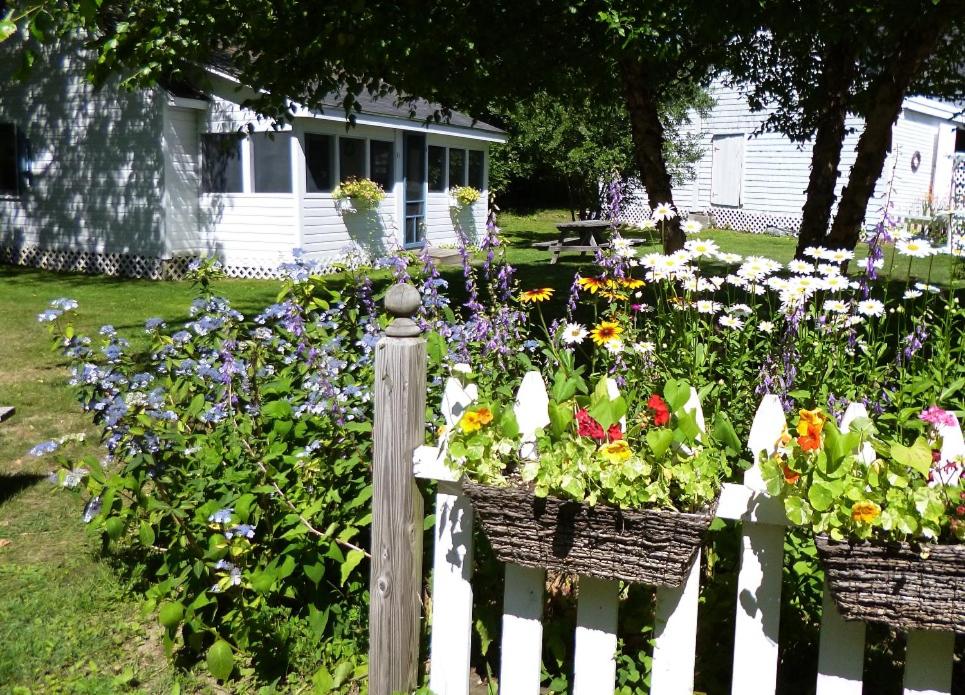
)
(727, 170)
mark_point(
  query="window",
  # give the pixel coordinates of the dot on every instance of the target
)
(221, 163)
(476, 169)
(351, 158)
(381, 166)
(318, 163)
(457, 168)
(271, 161)
(9, 164)
(437, 168)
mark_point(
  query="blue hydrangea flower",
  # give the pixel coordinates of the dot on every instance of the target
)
(64, 304)
(49, 315)
(153, 324)
(181, 337)
(108, 330)
(48, 447)
(222, 516)
(241, 530)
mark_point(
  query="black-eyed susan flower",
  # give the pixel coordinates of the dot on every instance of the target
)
(538, 295)
(605, 331)
(591, 285)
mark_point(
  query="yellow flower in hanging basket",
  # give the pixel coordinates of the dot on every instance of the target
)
(616, 452)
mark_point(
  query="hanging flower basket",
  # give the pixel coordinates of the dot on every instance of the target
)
(895, 585)
(648, 546)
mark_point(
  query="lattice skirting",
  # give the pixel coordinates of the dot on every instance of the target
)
(120, 264)
(761, 222)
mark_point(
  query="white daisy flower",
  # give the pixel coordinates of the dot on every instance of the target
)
(663, 211)
(829, 269)
(648, 224)
(778, 284)
(836, 306)
(836, 283)
(815, 251)
(706, 306)
(799, 266)
(901, 235)
(838, 255)
(701, 247)
(854, 321)
(739, 309)
(692, 227)
(914, 248)
(651, 260)
(615, 346)
(707, 285)
(691, 284)
(736, 281)
(912, 294)
(573, 333)
(927, 288)
(765, 327)
(871, 307)
(730, 258)
(644, 348)
(730, 322)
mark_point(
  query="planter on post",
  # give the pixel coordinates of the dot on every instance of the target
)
(395, 582)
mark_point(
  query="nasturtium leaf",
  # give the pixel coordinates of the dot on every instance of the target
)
(508, 425)
(797, 510)
(659, 441)
(170, 614)
(560, 418)
(221, 660)
(820, 496)
(677, 393)
(917, 456)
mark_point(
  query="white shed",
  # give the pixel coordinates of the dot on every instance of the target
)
(755, 181)
(137, 183)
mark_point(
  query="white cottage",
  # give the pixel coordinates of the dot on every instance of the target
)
(137, 183)
(757, 181)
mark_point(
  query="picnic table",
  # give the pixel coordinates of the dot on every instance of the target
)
(590, 235)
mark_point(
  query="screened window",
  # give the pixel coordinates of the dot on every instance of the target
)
(9, 166)
(271, 162)
(351, 158)
(381, 168)
(457, 168)
(221, 163)
(476, 169)
(437, 168)
(318, 163)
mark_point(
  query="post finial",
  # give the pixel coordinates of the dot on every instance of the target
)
(402, 301)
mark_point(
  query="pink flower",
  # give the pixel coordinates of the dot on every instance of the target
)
(937, 417)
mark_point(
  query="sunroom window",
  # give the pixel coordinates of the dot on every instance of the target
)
(9, 161)
(271, 162)
(318, 163)
(221, 170)
(351, 158)
(437, 168)
(477, 159)
(457, 168)
(381, 169)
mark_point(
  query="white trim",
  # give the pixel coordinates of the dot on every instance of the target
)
(187, 103)
(938, 109)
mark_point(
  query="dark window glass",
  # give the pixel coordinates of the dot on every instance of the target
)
(271, 161)
(351, 158)
(9, 169)
(476, 159)
(437, 168)
(457, 168)
(221, 163)
(381, 166)
(318, 163)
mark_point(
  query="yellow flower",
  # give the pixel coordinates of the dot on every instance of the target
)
(593, 285)
(540, 295)
(605, 332)
(811, 422)
(865, 512)
(473, 420)
(631, 283)
(612, 295)
(616, 452)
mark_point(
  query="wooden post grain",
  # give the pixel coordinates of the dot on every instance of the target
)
(396, 578)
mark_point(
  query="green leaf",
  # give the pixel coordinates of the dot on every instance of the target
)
(820, 496)
(7, 29)
(725, 433)
(277, 410)
(798, 511)
(352, 560)
(170, 614)
(560, 418)
(146, 534)
(314, 572)
(114, 528)
(676, 392)
(917, 456)
(659, 441)
(508, 425)
(221, 660)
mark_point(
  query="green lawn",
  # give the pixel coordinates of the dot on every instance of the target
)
(67, 622)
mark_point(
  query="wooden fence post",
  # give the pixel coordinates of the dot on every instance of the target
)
(396, 576)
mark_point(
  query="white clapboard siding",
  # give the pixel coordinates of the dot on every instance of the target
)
(928, 661)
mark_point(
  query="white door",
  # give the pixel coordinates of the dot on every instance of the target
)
(727, 170)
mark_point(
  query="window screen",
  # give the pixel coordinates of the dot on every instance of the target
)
(221, 163)
(271, 162)
(9, 170)
(457, 168)
(351, 158)
(318, 163)
(381, 169)
(476, 159)
(437, 168)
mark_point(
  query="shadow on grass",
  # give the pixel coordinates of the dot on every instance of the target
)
(12, 484)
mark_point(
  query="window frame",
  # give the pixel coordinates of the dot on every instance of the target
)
(268, 135)
(464, 167)
(243, 167)
(17, 163)
(332, 162)
(444, 169)
(390, 184)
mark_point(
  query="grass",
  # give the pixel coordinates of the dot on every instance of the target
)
(68, 623)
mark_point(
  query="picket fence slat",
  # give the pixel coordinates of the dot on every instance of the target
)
(929, 658)
(522, 643)
(840, 653)
(594, 667)
(675, 635)
(451, 636)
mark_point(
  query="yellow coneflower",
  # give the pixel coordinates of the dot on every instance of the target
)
(612, 295)
(606, 331)
(540, 295)
(591, 285)
(632, 283)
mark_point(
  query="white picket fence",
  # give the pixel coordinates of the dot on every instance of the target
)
(929, 655)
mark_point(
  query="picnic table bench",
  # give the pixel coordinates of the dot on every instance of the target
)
(591, 235)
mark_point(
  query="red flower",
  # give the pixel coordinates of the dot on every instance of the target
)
(660, 410)
(586, 426)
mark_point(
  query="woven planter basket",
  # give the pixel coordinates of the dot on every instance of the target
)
(649, 546)
(894, 585)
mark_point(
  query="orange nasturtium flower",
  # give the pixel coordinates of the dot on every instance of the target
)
(473, 420)
(540, 295)
(606, 331)
(809, 426)
(592, 285)
(616, 452)
(865, 512)
(791, 476)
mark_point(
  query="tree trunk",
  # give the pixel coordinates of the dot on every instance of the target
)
(648, 142)
(826, 153)
(887, 96)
